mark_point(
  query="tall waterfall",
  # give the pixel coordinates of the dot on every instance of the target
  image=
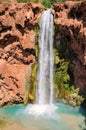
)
(44, 91)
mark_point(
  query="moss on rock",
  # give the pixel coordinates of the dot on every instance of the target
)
(31, 85)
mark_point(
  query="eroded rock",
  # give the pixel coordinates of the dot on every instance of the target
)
(17, 48)
(70, 21)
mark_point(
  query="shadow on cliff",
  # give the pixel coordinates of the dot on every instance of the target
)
(79, 13)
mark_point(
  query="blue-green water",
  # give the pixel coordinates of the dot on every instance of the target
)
(57, 117)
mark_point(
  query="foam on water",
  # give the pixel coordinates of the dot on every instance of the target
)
(41, 110)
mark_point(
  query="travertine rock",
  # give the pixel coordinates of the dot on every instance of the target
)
(17, 48)
(70, 21)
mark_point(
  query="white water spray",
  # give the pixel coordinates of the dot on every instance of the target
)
(44, 92)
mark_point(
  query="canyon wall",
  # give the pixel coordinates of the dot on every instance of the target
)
(18, 23)
(70, 23)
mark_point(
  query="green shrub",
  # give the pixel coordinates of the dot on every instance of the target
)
(46, 3)
(24, 1)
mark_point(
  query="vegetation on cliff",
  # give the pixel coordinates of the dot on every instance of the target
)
(63, 83)
(30, 86)
(46, 3)
(63, 77)
(31, 79)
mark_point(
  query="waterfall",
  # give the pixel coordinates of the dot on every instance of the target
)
(44, 89)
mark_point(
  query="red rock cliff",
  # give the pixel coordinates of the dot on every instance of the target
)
(70, 20)
(17, 43)
(17, 48)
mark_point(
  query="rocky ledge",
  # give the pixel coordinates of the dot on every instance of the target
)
(17, 48)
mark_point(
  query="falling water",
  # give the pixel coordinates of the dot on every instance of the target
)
(44, 92)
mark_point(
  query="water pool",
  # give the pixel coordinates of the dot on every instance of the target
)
(33, 117)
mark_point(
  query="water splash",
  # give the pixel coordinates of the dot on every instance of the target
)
(46, 111)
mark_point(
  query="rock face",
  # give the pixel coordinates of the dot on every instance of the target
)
(17, 48)
(18, 23)
(70, 21)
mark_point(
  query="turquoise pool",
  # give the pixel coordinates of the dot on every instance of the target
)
(54, 117)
